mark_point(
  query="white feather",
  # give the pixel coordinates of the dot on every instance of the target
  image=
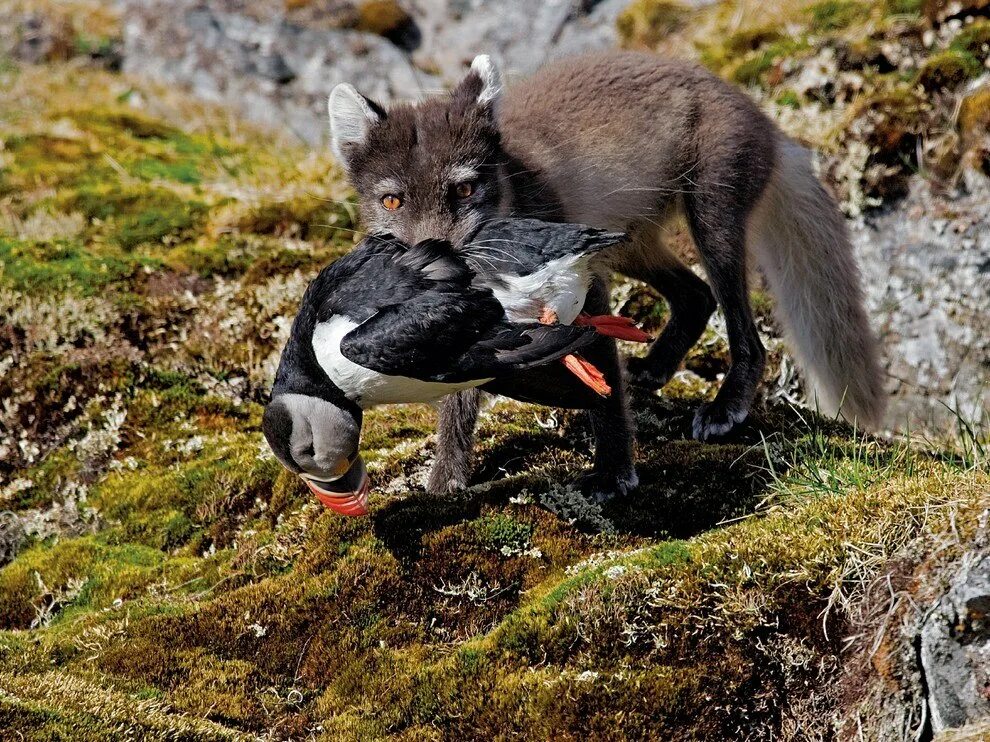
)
(561, 286)
(366, 386)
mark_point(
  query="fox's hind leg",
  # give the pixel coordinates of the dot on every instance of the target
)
(718, 223)
(690, 301)
(457, 418)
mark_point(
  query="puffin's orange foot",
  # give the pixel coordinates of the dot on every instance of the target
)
(588, 373)
(549, 317)
(614, 326)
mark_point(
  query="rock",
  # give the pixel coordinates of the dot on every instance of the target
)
(277, 72)
(955, 649)
(279, 64)
(12, 536)
(521, 35)
(925, 263)
(42, 38)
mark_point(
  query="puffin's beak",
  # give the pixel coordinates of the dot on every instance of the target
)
(347, 495)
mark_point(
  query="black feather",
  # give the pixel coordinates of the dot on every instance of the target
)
(523, 246)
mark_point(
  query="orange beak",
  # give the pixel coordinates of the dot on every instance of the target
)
(345, 502)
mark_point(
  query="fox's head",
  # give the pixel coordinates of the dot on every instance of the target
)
(432, 170)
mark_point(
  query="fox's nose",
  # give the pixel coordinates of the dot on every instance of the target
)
(311, 436)
(432, 228)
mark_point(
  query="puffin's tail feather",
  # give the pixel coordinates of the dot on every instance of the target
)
(520, 347)
(588, 373)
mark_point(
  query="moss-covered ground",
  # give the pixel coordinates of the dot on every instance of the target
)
(162, 578)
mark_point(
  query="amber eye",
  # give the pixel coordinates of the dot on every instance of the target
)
(465, 189)
(391, 202)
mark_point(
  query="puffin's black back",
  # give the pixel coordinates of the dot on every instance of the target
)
(523, 246)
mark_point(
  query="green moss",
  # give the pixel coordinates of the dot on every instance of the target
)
(195, 500)
(789, 98)
(721, 55)
(833, 15)
(95, 46)
(46, 159)
(500, 532)
(973, 40)
(137, 214)
(974, 115)
(750, 39)
(79, 574)
(646, 22)
(181, 172)
(897, 115)
(60, 265)
(115, 122)
(753, 68)
(948, 70)
(172, 398)
(903, 7)
(97, 145)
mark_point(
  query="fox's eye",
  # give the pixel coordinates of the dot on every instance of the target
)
(391, 202)
(465, 189)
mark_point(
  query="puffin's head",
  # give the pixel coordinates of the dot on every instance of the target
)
(312, 428)
(318, 440)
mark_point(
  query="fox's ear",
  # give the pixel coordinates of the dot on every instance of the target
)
(491, 79)
(482, 86)
(351, 118)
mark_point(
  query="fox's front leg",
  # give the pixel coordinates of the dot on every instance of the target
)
(455, 442)
(614, 470)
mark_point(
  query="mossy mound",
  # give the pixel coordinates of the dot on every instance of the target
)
(166, 579)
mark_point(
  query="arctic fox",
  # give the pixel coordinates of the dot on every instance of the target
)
(624, 140)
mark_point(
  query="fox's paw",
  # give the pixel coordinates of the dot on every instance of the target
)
(600, 487)
(717, 418)
(643, 373)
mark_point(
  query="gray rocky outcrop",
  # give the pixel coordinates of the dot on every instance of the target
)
(279, 66)
(276, 72)
(955, 649)
(926, 269)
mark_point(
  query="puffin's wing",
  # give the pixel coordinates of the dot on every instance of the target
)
(519, 347)
(438, 338)
(425, 336)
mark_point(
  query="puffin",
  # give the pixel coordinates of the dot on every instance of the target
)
(541, 272)
(392, 323)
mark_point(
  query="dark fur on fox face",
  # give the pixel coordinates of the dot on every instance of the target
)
(429, 171)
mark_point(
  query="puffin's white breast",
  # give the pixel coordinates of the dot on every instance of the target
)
(561, 286)
(366, 386)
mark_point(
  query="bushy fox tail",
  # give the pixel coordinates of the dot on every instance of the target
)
(800, 240)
